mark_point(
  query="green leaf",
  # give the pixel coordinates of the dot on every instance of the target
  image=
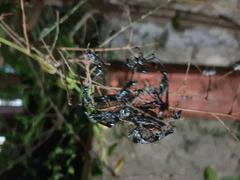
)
(71, 170)
(111, 149)
(58, 150)
(57, 175)
(210, 174)
(97, 167)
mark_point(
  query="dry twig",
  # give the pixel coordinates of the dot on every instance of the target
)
(24, 25)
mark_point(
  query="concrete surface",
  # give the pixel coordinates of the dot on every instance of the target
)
(181, 156)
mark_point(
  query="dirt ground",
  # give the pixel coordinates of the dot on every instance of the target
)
(182, 156)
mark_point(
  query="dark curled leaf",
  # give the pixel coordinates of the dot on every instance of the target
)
(177, 115)
(165, 133)
(125, 112)
(164, 84)
(148, 119)
(136, 137)
(93, 57)
(153, 92)
(124, 94)
(148, 105)
(129, 84)
(105, 98)
(136, 64)
(86, 98)
(98, 72)
(146, 136)
(96, 63)
(108, 119)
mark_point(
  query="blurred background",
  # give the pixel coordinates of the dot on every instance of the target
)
(45, 132)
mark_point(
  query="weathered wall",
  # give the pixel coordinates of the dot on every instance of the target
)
(208, 32)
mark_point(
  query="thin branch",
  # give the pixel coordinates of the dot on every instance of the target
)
(131, 29)
(57, 33)
(189, 58)
(66, 62)
(225, 75)
(235, 98)
(11, 33)
(226, 127)
(24, 25)
(83, 20)
(14, 36)
(204, 112)
(50, 53)
(124, 48)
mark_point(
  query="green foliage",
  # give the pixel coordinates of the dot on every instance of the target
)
(112, 148)
(176, 24)
(50, 140)
(97, 167)
(210, 174)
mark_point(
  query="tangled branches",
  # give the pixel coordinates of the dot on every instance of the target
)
(142, 109)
